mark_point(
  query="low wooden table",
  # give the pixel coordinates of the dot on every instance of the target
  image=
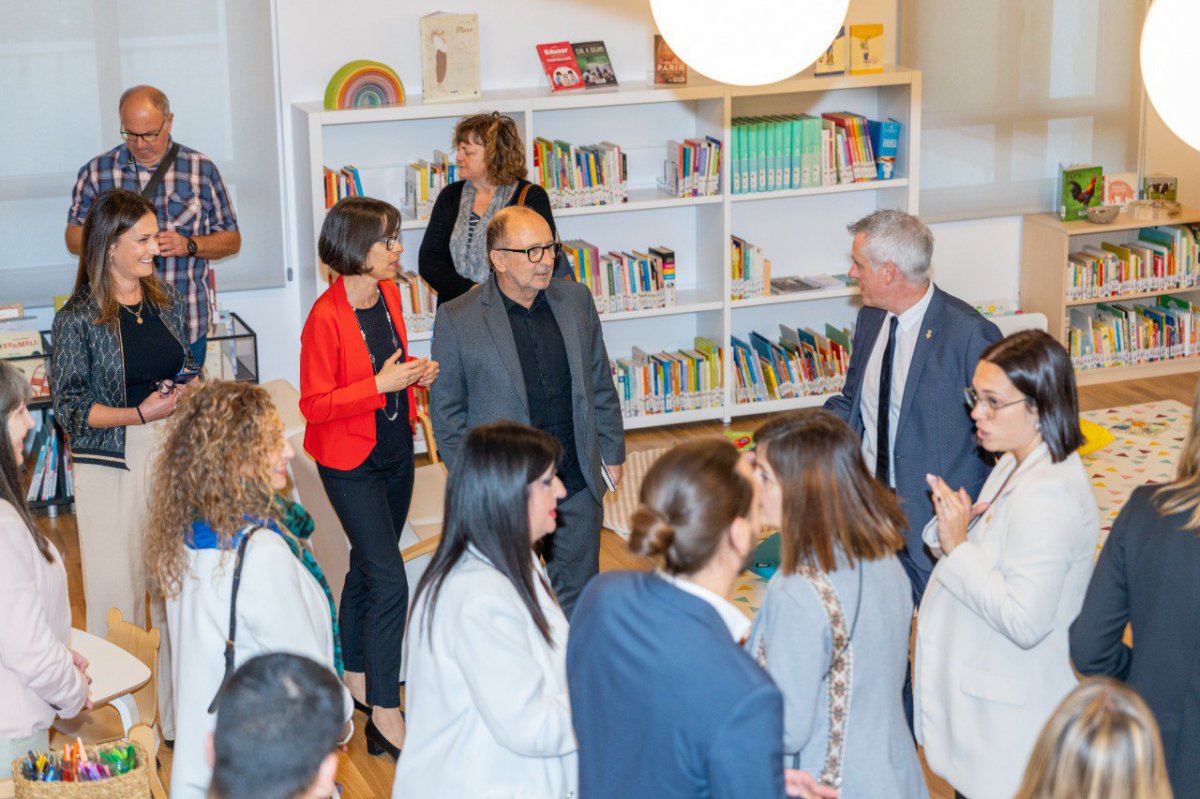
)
(115, 674)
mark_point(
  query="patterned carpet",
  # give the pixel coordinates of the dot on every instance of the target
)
(1145, 449)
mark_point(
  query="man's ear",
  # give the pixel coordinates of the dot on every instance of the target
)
(496, 261)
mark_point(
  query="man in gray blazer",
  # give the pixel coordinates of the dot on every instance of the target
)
(526, 348)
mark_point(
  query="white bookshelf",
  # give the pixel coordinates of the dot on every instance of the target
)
(802, 231)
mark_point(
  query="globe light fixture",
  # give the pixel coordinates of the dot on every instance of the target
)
(749, 42)
(1170, 63)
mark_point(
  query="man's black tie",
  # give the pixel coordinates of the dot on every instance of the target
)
(883, 420)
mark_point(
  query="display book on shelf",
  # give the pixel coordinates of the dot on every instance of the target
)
(705, 307)
(1123, 298)
(49, 472)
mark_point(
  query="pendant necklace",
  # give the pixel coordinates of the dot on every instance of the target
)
(135, 314)
(390, 416)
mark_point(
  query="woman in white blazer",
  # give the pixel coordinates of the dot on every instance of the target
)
(214, 504)
(488, 709)
(40, 678)
(992, 657)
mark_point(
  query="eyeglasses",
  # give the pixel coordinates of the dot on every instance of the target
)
(391, 242)
(537, 251)
(989, 407)
(148, 138)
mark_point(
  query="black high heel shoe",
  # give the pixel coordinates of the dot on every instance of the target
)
(361, 708)
(377, 743)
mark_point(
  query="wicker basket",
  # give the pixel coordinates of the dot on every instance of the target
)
(133, 784)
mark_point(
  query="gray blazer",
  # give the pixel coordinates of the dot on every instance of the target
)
(879, 757)
(481, 379)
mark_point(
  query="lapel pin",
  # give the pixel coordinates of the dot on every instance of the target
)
(928, 333)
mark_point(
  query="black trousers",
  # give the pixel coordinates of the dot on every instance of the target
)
(372, 502)
(572, 551)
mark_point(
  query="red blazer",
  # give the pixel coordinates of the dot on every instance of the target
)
(337, 383)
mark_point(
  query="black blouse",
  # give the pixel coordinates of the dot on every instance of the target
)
(149, 350)
(393, 437)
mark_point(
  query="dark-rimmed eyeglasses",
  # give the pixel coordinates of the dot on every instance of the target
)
(537, 251)
(148, 138)
(989, 407)
(391, 242)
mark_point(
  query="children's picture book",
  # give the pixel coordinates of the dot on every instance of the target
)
(450, 57)
(833, 60)
(1080, 187)
(1160, 187)
(668, 68)
(866, 49)
(594, 66)
(562, 70)
(1120, 188)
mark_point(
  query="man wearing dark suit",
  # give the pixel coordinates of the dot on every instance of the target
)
(529, 349)
(914, 352)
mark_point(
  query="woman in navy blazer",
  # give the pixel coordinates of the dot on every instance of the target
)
(356, 385)
(665, 702)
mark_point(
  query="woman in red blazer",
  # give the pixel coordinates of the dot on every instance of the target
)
(356, 383)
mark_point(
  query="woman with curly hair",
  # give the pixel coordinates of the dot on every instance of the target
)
(227, 551)
(490, 157)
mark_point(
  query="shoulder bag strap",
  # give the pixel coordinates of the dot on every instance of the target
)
(229, 642)
(157, 178)
(524, 193)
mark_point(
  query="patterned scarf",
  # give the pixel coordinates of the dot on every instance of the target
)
(471, 261)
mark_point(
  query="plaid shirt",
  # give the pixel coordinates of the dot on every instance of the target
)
(191, 200)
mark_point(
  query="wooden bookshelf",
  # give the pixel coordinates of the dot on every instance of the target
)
(1047, 241)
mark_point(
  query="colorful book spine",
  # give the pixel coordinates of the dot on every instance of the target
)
(750, 269)
(1127, 333)
(801, 363)
(576, 176)
(418, 302)
(624, 281)
(669, 381)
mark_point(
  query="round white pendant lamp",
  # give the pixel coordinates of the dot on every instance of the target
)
(749, 42)
(1170, 64)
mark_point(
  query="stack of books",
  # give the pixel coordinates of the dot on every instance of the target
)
(624, 281)
(801, 151)
(577, 176)
(803, 363)
(52, 476)
(749, 268)
(821, 282)
(341, 183)
(1161, 259)
(418, 302)
(424, 180)
(1127, 333)
(692, 168)
(667, 382)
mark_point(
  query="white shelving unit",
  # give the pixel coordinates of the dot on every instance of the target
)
(802, 231)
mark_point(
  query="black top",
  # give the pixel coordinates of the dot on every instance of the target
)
(393, 437)
(547, 380)
(150, 352)
(434, 261)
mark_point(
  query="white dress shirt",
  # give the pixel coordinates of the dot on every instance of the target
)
(908, 331)
(735, 620)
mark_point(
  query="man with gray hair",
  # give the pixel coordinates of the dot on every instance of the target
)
(911, 335)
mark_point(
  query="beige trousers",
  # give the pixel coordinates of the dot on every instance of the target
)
(111, 507)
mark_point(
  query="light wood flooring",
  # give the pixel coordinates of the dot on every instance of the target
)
(365, 777)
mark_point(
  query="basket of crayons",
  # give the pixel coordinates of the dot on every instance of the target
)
(116, 770)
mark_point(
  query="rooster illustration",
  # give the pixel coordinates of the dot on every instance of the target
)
(1083, 196)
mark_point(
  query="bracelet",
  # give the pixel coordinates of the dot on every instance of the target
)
(138, 408)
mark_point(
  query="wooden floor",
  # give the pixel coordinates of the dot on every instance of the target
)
(365, 777)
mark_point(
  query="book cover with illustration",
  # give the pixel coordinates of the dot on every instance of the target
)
(1160, 187)
(1120, 188)
(1079, 188)
(669, 69)
(594, 65)
(450, 57)
(562, 70)
(866, 49)
(833, 60)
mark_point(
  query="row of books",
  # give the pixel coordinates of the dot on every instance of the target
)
(418, 302)
(667, 382)
(802, 363)
(424, 180)
(750, 269)
(341, 183)
(53, 475)
(624, 281)
(801, 151)
(1161, 258)
(1123, 334)
(576, 176)
(692, 168)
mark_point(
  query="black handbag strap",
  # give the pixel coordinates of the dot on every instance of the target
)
(229, 642)
(152, 187)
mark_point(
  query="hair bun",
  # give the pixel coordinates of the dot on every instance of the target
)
(652, 533)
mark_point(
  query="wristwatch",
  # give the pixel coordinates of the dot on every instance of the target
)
(191, 247)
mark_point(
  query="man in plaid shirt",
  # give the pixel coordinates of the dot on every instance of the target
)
(195, 217)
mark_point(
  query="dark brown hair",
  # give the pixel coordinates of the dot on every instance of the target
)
(503, 150)
(14, 391)
(831, 504)
(689, 499)
(352, 226)
(111, 216)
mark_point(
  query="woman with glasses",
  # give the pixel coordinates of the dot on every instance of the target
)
(490, 158)
(356, 384)
(991, 659)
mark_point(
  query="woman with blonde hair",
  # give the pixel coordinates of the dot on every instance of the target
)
(1101, 742)
(227, 551)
